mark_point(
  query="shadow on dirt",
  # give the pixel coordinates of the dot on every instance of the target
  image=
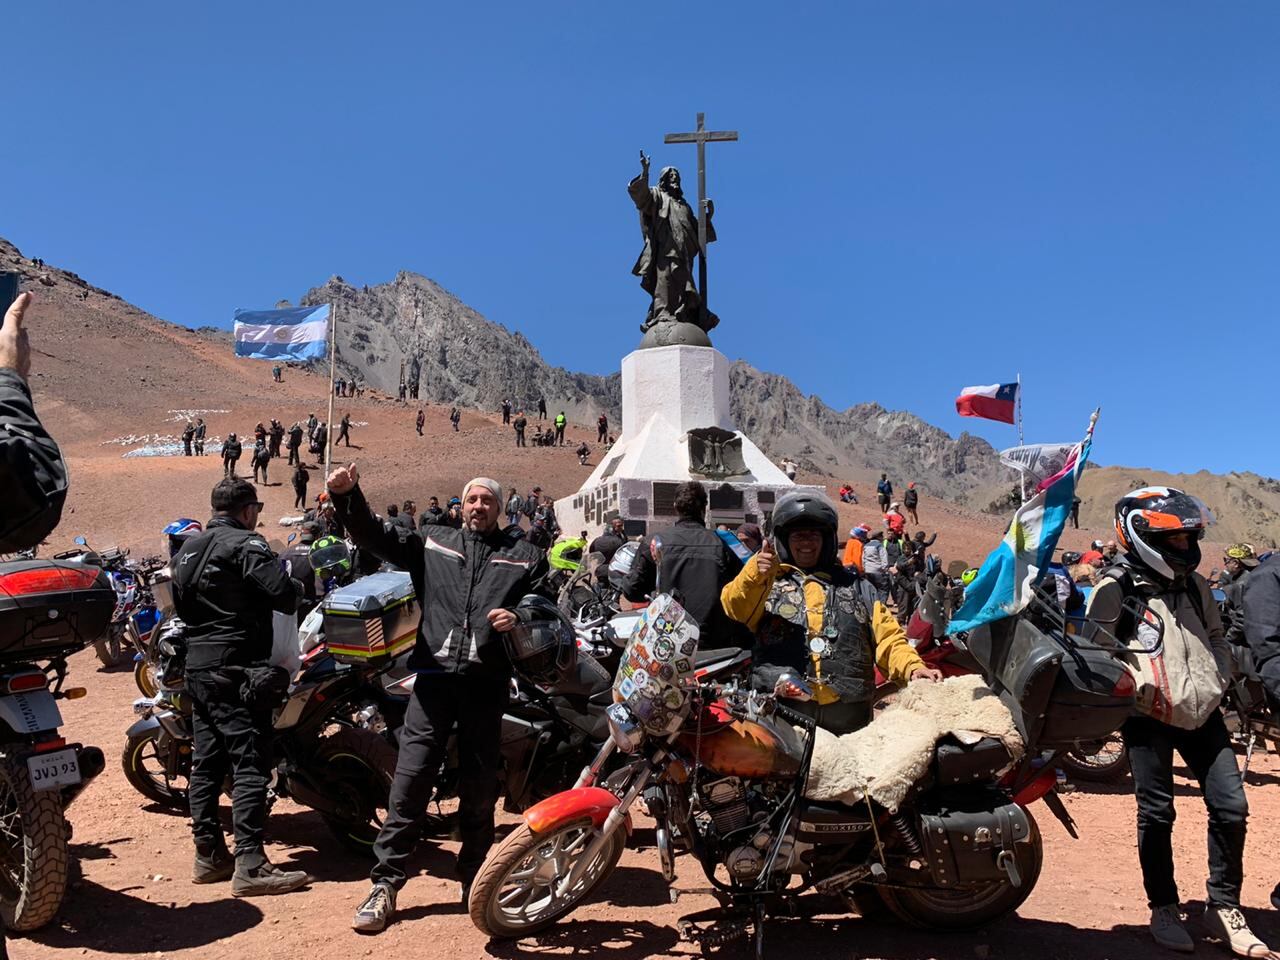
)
(116, 921)
(623, 940)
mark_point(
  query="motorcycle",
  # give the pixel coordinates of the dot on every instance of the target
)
(128, 578)
(49, 609)
(723, 771)
(327, 753)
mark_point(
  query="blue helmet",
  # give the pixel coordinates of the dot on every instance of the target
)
(178, 533)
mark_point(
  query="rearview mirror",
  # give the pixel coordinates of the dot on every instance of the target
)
(82, 541)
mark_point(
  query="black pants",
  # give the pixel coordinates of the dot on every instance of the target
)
(1208, 755)
(601, 433)
(300, 496)
(839, 717)
(506, 417)
(199, 448)
(441, 703)
(228, 738)
(520, 438)
(229, 466)
(343, 438)
(186, 447)
(294, 456)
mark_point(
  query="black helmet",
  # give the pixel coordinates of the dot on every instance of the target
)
(1146, 518)
(805, 511)
(542, 646)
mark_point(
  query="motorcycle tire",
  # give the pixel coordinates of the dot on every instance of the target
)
(528, 850)
(1107, 765)
(33, 880)
(154, 786)
(111, 648)
(968, 907)
(361, 765)
(144, 676)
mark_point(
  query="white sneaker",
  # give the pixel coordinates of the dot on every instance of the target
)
(1168, 931)
(1229, 925)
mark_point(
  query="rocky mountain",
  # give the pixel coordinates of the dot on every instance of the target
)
(459, 356)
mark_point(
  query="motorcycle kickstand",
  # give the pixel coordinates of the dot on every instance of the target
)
(759, 931)
(1248, 753)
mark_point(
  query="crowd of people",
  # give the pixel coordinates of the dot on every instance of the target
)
(787, 585)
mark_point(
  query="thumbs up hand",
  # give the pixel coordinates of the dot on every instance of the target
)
(765, 557)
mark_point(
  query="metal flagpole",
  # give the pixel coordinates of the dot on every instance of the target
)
(333, 362)
(1022, 475)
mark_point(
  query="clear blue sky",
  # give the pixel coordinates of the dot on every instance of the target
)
(925, 195)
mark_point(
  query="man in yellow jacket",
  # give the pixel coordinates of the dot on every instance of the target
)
(798, 601)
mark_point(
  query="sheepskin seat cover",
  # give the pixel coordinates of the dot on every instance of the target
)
(885, 758)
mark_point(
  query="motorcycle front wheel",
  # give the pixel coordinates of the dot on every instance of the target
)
(970, 906)
(33, 850)
(515, 893)
(144, 675)
(111, 647)
(146, 769)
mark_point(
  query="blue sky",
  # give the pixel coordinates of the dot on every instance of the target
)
(925, 195)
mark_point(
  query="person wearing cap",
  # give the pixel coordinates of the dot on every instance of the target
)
(853, 548)
(468, 582)
(226, 583)
(1240, 561)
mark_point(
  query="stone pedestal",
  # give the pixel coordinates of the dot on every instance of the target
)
(666, 393)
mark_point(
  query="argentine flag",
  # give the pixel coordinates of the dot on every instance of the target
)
(295, 333)
(1004, 582)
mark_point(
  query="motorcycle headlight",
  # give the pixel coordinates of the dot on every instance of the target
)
(143, 706)
(625, 729)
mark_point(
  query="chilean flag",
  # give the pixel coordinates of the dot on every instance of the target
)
(995, 401)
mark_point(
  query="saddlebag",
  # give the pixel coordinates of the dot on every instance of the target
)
(957, 763)
(967, 847)
(372, 620)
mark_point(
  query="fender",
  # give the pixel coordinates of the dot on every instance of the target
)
(569, 805)
(30, 713)
(144, 725)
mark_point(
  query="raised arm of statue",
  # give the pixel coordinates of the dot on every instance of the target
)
(641, 195)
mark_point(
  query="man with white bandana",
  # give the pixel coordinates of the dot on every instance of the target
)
(468, 582)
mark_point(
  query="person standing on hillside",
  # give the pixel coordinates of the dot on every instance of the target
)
(301, 477)
(455, 417)
(188, 434)
(1240, 561)
(514, 503)
(561, 422)
(398, 520)
(520, 424)
(432, 516)
(226, 583)
(230, 454)
(542, 409)
(884, 492)
(421, 421)
(320, 441)
(261, 459)
(312, 423)
(344, 431)
(275, 373)
(260, 433)
(1075, 513)
(506, 412)
(911, 500)
(602, 428)
(198, 436)
(789, 467)
(295, 443)
(275, 436)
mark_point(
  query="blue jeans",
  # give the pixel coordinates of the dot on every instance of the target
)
(1209, 758)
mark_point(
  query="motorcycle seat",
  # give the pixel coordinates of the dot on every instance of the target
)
(958, 763)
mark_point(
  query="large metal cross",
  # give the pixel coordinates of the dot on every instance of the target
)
(702, 137)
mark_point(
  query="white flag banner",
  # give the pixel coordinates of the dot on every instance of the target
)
(1038, 461)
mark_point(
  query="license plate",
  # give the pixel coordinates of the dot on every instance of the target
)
(50, 770)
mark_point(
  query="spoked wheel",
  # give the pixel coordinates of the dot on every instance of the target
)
(973, 905)
(1101, 761)
(516, 892)
(146, 767)
(112, 648)
(33, 850)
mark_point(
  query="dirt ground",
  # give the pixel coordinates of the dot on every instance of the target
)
(133, 896)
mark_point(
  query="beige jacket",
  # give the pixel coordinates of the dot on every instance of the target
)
(1184, 683)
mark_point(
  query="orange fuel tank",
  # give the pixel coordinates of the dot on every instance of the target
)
(744, 748)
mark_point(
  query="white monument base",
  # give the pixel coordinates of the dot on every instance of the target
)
(667, 392)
